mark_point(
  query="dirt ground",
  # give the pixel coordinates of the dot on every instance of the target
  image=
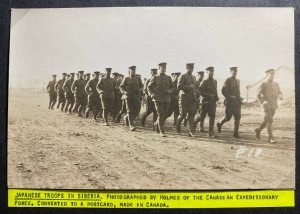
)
(51, 149)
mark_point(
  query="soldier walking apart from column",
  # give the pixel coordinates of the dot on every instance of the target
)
(173, 107)
(106, 88)
(208, 91)
(78, 88)
(52, 93)
(131, 88)
(268, 93)
(69, 94)
(93, 96)
(149, 104)
(160, 89)
(118, 101)
(60, 92)
(199, 79)
(232, 102)
(188, 99)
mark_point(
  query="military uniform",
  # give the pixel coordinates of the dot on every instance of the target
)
(160, 89)
(117, 101)
(208, 91)
(78, 88)
(149, 104)
(197, 117)
(174, 107)
(188, 99)
(106, 88)
(268, 94)
(60, 92)
(70, 100)
(52, 93)
(131, 88)
(232, 102)
(93, 97)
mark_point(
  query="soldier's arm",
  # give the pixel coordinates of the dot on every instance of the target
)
(259, 93)
(123, 86)
(202, 88)
(56, 85)
(141, 85)
(145, 86)
(225, 89)
(87, 87)
(48, 86)
(151, 86)
(65, 86)
(73, 86)
(216, 91)
(99, 86)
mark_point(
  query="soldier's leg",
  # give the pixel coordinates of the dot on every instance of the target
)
(122, 111)
(90, 105)
(191, 117)
(81, 103)
(50, 101)
(148, 111)
(182, 114)
(176, 112)
(237, 118)
(63, 98)
(212, 116)
(269, 126)
(58, 101)
(160, 116)
(54, 100)
(263, 123)
(77, 104)
(72, 101)
(131, 111)
(228, 114)
(96, 108)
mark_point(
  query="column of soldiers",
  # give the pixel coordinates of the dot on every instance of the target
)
(185, 96)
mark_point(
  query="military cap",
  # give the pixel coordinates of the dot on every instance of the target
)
(87, 74)
(162, 64)
(68, 75)
(97, 72)
(190, 65)
(138, 75)
(64, 74)
(72, 73)
(270, 71)
(115, 73)
(108, 69)
(154, 69)
(120, 75)
(132, 67)
(54, 75)
(177, 73)
(233, 68)
(200, 72)
(80, 72)
(210, 68)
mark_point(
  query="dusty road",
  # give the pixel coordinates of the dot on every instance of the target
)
(50, 149)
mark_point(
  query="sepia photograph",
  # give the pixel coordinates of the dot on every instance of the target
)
(151, 98)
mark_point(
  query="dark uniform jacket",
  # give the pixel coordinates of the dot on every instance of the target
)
(78, 87)
(208, 91)
(185, 89)
(175, 91)
(146, 86)
(231, 88)
(50, 86)
(91, 87)
(106, 87)
(269, 91)
(58, 86)
(160, 88)
(131, 88)
(67, 85)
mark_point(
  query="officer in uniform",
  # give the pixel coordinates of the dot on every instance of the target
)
(60, 92)
(69, 94)
(232, 102)
(208, 91)
(93, 96)
(106, 88)
(131, 88)
(78, 88)
(160, 89)
(173, 107)
(199, 79)
(52, 92)
(150, 107)
(188, 98)
(268, 93)
(118, 101)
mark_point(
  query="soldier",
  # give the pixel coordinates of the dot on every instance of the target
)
(93, 96)
(123, 105)
(60, 92)
(141, 95)
(52, 93)
(174, 108)
(87, 77)
(149, 104)
(199, 79)
(268, 93)
(106, 88)
(160, 89)
(118, 101)
(131, 88)
(69, 94)
(208, 91)
(78, 88)
(188, 98)
(232, 102)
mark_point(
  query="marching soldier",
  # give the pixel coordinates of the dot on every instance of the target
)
(60, 93)
(52, 92)
(160, 89)
(188, 98)
(149, 104)
(86, 77)
(78, 88)
(232, 102)
(208, 91)
(140, 96)
(199, 79)
(131, 88)
(118, 101)
(69, 94)
(174, 108)
(93, 96)
(268, 93)
(106, 88)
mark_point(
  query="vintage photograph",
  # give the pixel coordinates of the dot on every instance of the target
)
(151, 98)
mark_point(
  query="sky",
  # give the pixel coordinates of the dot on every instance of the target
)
(52, 41)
